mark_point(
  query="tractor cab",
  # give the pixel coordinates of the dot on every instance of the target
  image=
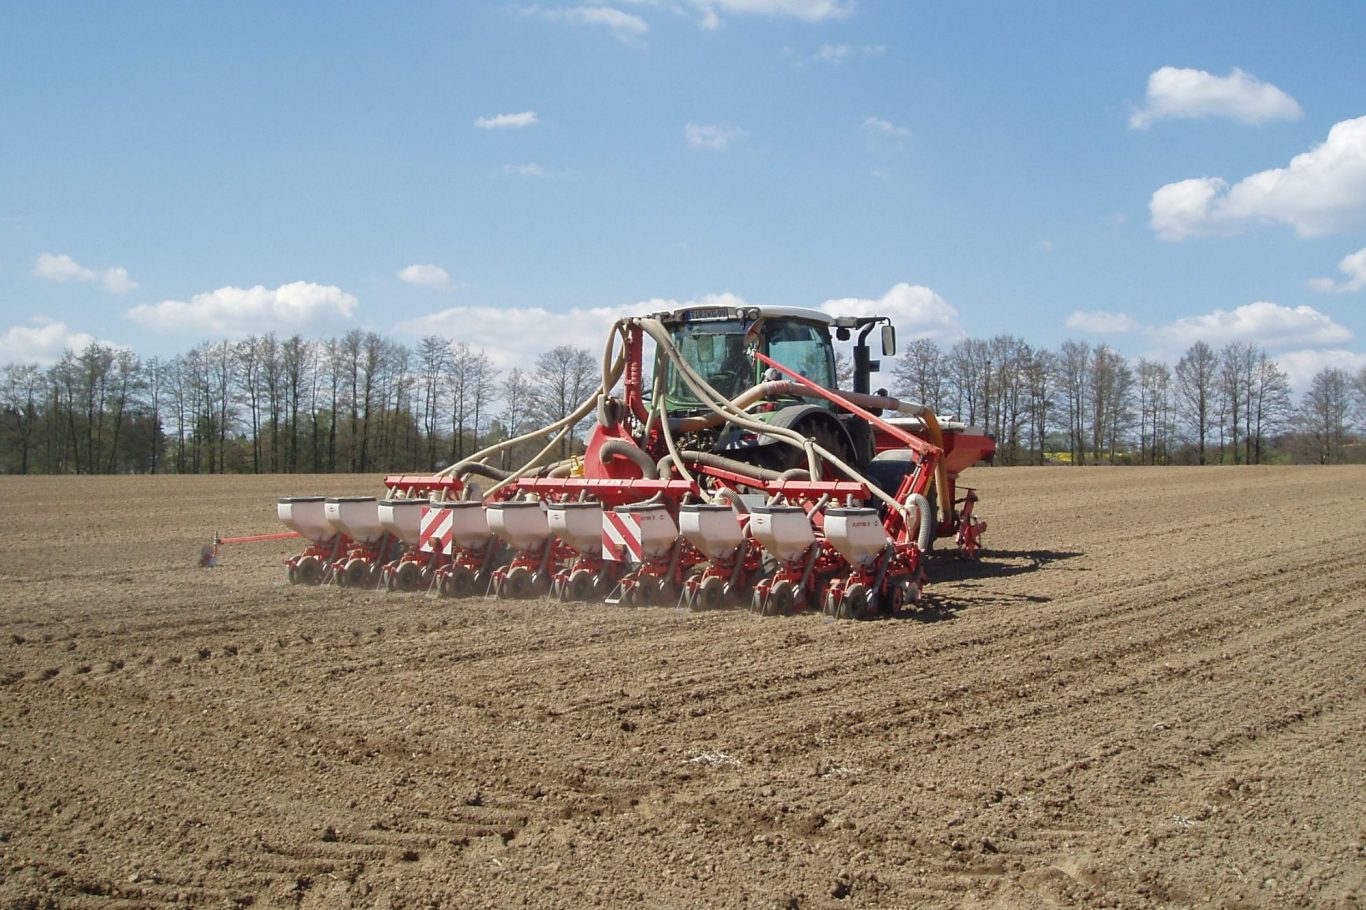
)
(717, 341)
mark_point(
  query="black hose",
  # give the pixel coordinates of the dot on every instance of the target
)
(632, 453)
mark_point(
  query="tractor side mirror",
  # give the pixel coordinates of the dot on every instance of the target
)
(889, 340)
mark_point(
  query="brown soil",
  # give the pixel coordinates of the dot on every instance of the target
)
(1149, 694)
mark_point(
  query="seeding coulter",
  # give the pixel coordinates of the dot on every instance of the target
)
(733, 473)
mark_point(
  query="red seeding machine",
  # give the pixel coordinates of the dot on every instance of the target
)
(732, 473)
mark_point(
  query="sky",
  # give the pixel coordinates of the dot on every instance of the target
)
(517, 175)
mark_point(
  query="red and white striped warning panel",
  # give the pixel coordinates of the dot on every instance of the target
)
(620, 537)
(434, 534)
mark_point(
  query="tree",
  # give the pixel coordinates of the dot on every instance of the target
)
(920, 373)
(564, 378)
(1154, 412)
(1195, 373)
(1072, 373)
(1325, 411)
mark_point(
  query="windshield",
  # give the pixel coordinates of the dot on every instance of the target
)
(716, 350)
(803, 347)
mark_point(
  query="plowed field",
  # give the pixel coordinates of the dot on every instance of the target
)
(1150, 693)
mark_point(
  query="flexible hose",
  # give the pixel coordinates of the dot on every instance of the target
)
(922, 506)
(632, 452)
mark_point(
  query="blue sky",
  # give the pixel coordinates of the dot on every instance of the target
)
(517, 174)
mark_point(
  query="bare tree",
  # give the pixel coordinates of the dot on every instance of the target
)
(1073, 372)
(1154, 412)
(1324, 414)
(920, 373)
(564, 378)
(1195, 392)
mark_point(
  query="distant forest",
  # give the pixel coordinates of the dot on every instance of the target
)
(363, 402)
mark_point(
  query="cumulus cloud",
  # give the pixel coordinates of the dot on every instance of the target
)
(1268, 324)
(1353, 266)
(625, 27)
(1196, 94)
(1102, 323)
(716, 138)
(1322, 191)
(64, 268)
(501, 332)
(916, 311)
(1301, 366)
(242, 311)
(43, 342)
(884, 127)
(430, 276)
(507, 121)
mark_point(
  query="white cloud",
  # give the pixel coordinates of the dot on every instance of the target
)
(1268, 324)
(884, 127)
(625, 27)
(507, 121)
(716, 138)
(838, 53)
(1102, 323)
(1322, 191)
(242, 311)
(809, 10)
(1353, 266)
(916, 311)
(530, 169)
(501, 332)
(1196, 94)
(431, 276)
(42, 343)
(1301, 366)
(64, 268)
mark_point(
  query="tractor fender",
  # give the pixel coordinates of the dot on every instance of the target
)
(793, 415)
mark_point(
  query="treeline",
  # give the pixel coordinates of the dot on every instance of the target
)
(1090, 405)
(363, 402)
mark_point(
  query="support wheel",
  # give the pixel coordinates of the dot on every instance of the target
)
(458, 582)
(580, 586)
(711, 594)
(781, 599)
(756, 602)
(355, 575)
(855, 603)
(517, 585)
(408, 577)
(308, 571)
(292, 573)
